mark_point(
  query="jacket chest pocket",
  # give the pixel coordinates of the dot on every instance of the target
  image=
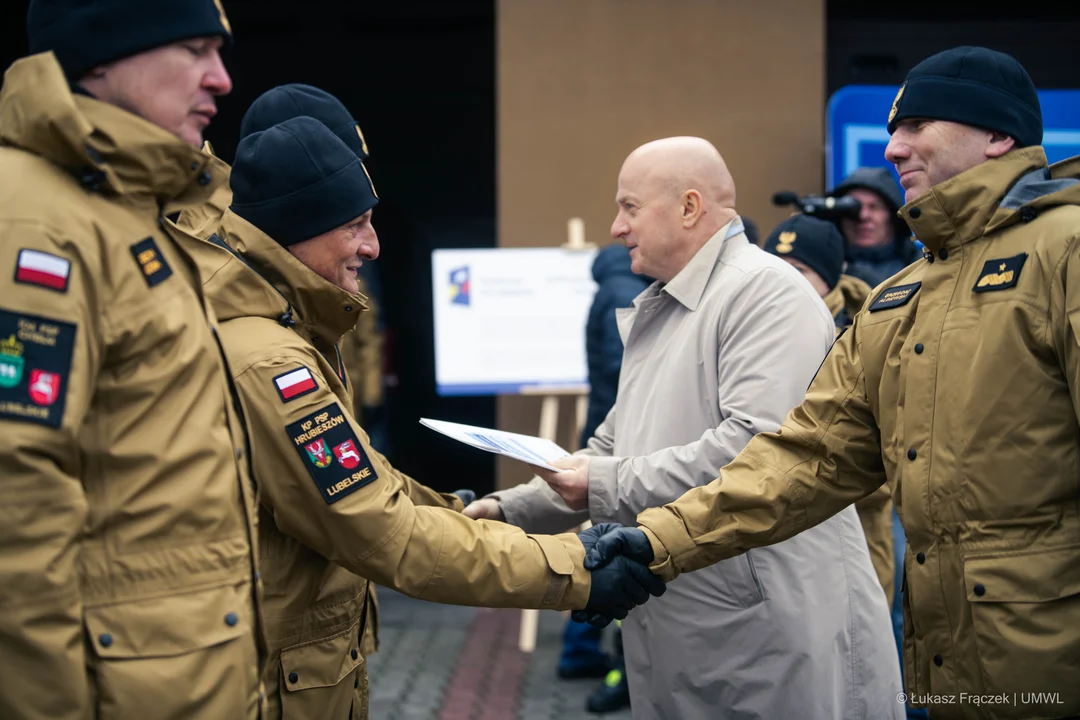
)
(1025, 611)
(181, 656)
(325, 678)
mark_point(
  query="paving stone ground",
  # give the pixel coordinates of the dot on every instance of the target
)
(443, 662)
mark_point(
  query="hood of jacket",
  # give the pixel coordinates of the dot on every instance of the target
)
(107, 149)
(1014, 188)
(246, 274)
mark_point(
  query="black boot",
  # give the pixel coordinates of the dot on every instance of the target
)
(613, 695)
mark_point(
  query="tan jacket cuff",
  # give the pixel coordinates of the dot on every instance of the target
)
(668, 538)
(570, 583)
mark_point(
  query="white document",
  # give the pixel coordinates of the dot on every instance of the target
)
(531, 450)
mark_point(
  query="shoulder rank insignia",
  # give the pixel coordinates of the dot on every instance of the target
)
(294, 384)
(1000, 274)
(894, 297)
(155, 267)
(331, 452)
(40, 268)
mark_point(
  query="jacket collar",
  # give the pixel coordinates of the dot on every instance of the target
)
(321, 310)
(107, 149)
(689, 285)
(960, 209)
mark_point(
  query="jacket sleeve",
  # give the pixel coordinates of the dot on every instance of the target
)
(825, 456)
(325, 486)
(535, 507)
(1065, 320)
(771, 336)
(43, 508)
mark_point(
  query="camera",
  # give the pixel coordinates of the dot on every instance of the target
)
(825, 208)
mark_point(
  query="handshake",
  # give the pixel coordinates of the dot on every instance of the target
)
(618, 558)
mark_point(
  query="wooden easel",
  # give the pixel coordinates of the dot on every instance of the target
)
(549, 426)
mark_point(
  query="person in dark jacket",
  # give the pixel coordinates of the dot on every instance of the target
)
(878, 244)
(617, 287)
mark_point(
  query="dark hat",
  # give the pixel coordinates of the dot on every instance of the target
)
(297, 180)
(87, 33)
(974, 86)
(816, 242)
(877, 180)
(294, 100)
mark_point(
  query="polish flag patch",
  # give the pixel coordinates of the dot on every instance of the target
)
(294, 384)
(39, 268)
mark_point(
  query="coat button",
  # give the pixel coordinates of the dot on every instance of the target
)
(943, 254)
(231, 619)
(195, 166)
(979, 589)
(915, 212)
(918, 348)
(920, 558)
(356, 654)
(911, 454)
(293, 677)
(348, 308)
(205, 178)
(105, 639)
(356, 682)
(938, 660)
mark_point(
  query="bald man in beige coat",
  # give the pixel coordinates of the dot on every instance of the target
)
(719, 349)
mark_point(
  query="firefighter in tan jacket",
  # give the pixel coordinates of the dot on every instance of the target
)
(358, 345)
(333, 510)
(959, 386)
(127, 512)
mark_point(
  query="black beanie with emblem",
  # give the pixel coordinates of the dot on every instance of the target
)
(814, 242)
(974, 86)
(298, 180)
(84, 34)
(294, 100)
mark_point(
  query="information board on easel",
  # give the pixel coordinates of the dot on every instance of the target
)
(511, 321)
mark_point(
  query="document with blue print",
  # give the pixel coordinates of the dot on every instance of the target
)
(532, 450)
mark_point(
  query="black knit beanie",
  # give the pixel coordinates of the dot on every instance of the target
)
(293, 100)
(297, 180)
(974, 86)
(84, 34)
(813, 241)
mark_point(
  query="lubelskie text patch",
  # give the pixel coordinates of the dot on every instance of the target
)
(35, 365)
(331, 452)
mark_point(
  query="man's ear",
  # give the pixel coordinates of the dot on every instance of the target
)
(998, 144)
(692, 208)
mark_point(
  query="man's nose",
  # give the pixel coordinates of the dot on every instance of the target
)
(896, 150)
(369, 249)
(217, 79)
(619, 228)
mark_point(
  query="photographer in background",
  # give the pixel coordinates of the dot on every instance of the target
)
(878, 243)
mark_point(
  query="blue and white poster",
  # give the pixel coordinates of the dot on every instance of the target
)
(856, 128)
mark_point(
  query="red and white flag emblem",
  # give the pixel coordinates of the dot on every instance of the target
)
(294, 384)
(44, 387)
(38, 268)
(346, 455)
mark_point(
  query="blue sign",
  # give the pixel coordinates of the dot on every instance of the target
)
(856, 132)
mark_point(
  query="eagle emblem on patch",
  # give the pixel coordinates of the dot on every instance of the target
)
(896, 102)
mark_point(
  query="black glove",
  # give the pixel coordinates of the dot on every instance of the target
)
(589, 537)
(617, 588)
(466, 496)
(618, 540)
(610, 541)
